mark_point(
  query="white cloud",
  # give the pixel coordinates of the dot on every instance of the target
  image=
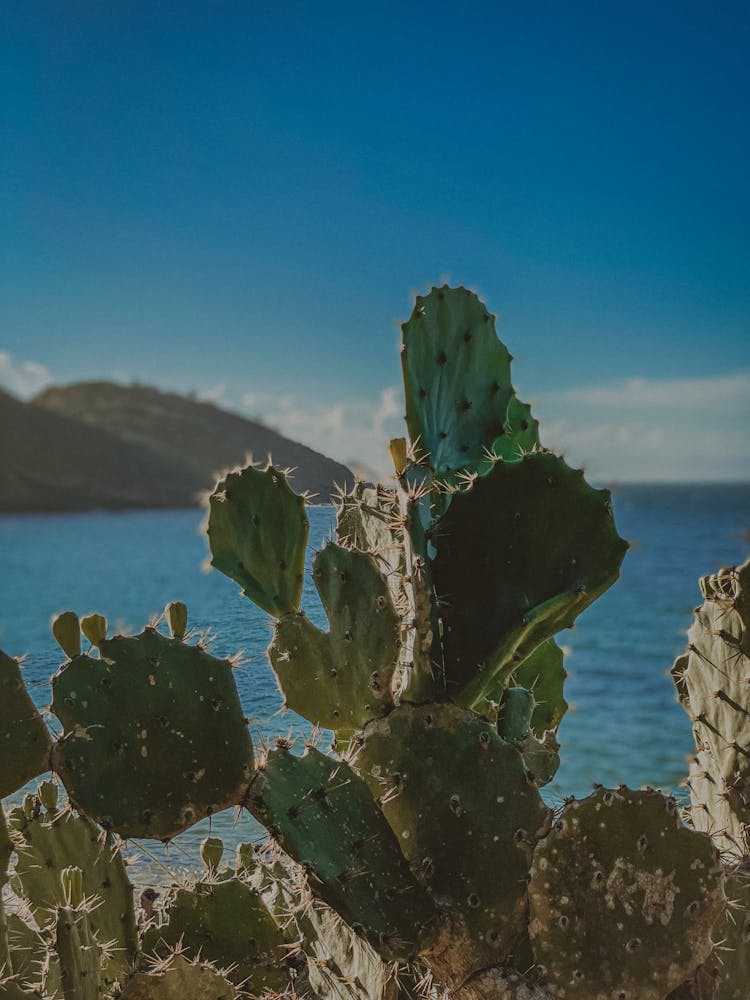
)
(659, 393)
(214, 394)
(351, 430)
(654, 429)
(22, 378)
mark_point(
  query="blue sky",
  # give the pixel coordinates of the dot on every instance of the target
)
(240, 198)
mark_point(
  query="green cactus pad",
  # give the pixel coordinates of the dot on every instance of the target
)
(457, 384)
(543, 673)
(224, 922)
(541, 756)
(257, 531)
(25, 742)
(49, 842)
(179, 979)
(155, 736)
(459, 799)
(67, 630)
(623, 898)
(341, 965)
(711, 680)
(323, 815)
(341, 678)
(79, 953)
(520, 554)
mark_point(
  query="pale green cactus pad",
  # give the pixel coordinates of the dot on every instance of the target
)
(624, 898)
(179, 979)
(342, 678)
(712, 684)
(257, 530)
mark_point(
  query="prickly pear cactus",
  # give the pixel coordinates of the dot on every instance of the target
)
(154, 737)
(623, 898)
(25, 743)
(341, 678)
(323, 815)
(257, 529)
(177, 978)
(711, 680)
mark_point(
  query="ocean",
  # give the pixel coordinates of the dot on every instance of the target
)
(624, 724)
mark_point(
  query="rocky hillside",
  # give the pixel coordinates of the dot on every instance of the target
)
(96, 444)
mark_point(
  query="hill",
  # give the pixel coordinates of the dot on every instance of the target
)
(97, 444)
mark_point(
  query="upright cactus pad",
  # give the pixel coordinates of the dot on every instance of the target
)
(519, 555)
(46, 844)
(712, 683)
(341, 678)
(623, 898)
(323, 815)
(514, 719)
(257, 531)
(25, 742)
(223, 921)
(466, 815)
(155, 737)
(457, 382)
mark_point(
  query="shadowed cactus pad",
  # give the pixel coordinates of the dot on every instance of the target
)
(341, 678)
(257, 530)
(505, 586)
(223, 921)
(623, 898)
(544, 675)
(323, 815)
(155, 738)
(466, 816)
(25, 742)
(179, 979)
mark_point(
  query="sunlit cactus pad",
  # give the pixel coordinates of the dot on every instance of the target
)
(341, 678)
(155, 737)
(257, 530)
(623, 898)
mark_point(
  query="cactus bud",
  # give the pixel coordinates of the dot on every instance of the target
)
(245, 857)
(177, 615)
(212, 851)
(72, 886)
(67, 630)
(94, 627)
(47, 793)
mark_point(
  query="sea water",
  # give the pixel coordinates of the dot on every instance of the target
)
(624, 724)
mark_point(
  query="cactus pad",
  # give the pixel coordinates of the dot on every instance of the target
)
(179, 979)
(505, 584)
(223, 921)
(24, 739)
(323, 815)
(459, 799)
(46, 844)
(623, 898)
(457, 382)
(543, 674)
(342, 678)
(515, 712)
(257, 531)
(712, 684)
(155, 738)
